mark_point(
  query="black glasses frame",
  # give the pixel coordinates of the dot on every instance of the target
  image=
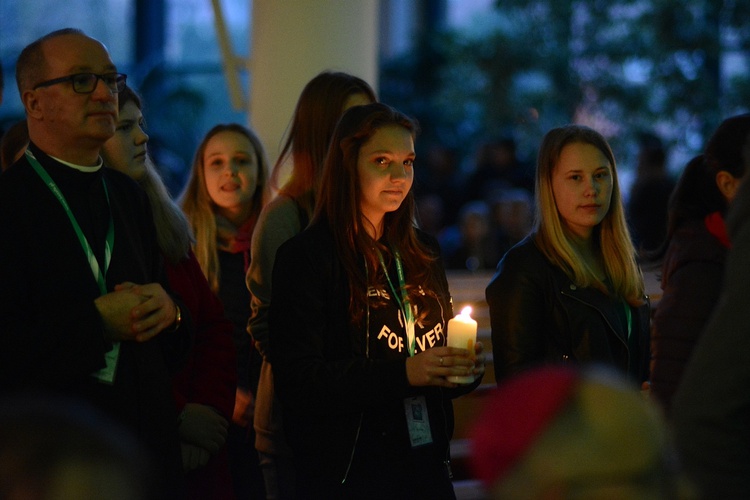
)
(85, 83)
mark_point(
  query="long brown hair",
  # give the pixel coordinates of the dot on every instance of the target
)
(318, 109)
(612, 237)
(173, 231)
(199, 208)
(339, 203)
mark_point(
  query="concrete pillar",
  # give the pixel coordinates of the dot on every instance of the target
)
(292, 41)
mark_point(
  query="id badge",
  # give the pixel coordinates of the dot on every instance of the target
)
(107, 374)
(417, 421)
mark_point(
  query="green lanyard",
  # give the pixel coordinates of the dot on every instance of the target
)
(106, 374)
(403, 300)
(629, 318)
(110, 240)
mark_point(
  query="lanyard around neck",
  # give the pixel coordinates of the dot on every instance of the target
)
(402, 298)
(90, 256)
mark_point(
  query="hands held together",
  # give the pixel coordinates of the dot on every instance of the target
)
(433, 366)
(136, 312)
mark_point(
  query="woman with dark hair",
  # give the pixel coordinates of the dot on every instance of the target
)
(358, 327)
(571, 291)
(319, 108)
(222, 200)
(694, 252)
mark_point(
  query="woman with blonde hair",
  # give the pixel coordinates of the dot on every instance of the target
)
(223, 197)
(572, 290)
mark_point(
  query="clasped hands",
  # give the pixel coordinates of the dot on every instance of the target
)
(433, 366)
(136, 312)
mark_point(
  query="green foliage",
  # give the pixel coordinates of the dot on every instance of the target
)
(621, 66)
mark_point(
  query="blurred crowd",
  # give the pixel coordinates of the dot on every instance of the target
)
(280, 335)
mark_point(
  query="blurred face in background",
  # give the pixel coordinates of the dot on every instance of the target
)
(126, 150)
(231, 172)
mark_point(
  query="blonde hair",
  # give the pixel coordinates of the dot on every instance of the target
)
(173, 231)
(611, 236)
(199, 208)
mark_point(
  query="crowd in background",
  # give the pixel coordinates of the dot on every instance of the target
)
(176, 338)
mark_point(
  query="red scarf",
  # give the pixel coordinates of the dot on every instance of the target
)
(716, 226)
(235, 239)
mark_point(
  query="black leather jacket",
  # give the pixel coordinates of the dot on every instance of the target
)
(538, 315)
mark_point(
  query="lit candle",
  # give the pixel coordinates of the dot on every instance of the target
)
(462, 332)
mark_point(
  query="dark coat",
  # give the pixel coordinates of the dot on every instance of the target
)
(538, 315)
(324, 378)
(692, 276)
(52, 336)
(711, 408)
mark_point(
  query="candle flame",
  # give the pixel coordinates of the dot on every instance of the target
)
(466, 311)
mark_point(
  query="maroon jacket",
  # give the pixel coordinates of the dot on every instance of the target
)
(210, 374)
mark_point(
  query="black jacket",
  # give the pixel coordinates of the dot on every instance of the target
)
(711, 408)
(538, 315)
(327, 384)
(692, 279)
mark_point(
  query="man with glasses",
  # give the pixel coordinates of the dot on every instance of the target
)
(82, 307)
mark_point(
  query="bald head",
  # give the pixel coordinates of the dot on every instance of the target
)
(32, 64)
(63, 121)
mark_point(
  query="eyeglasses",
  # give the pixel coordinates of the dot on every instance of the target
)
(85, 83)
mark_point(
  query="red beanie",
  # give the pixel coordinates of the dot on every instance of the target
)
(515, 415)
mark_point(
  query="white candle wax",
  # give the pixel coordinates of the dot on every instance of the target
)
(462, 332)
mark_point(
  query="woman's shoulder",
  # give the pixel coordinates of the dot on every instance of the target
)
(279, 217)
(693, 241)
(280, 207)
(427, 240)
(316, 236)
(523, 263)
(523, 254)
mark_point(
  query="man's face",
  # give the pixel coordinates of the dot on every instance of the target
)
(77, 119)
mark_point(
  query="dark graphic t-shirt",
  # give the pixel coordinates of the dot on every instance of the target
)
(387, 327)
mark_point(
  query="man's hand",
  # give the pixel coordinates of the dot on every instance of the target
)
(115, 309)
(156, 312)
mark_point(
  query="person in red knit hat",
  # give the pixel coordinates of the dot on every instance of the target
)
(559, 432)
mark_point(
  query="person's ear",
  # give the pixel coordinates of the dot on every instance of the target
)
(32, 104)
(727, 184)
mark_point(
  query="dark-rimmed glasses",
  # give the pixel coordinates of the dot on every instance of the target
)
(85, 83)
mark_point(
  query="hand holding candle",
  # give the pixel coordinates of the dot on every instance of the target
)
(462, 333)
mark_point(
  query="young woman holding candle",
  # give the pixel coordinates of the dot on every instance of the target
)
(572, 291)
(358, 327)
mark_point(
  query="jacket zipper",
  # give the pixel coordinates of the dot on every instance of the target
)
(624, 343)
(447, 461)
(361, 415)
